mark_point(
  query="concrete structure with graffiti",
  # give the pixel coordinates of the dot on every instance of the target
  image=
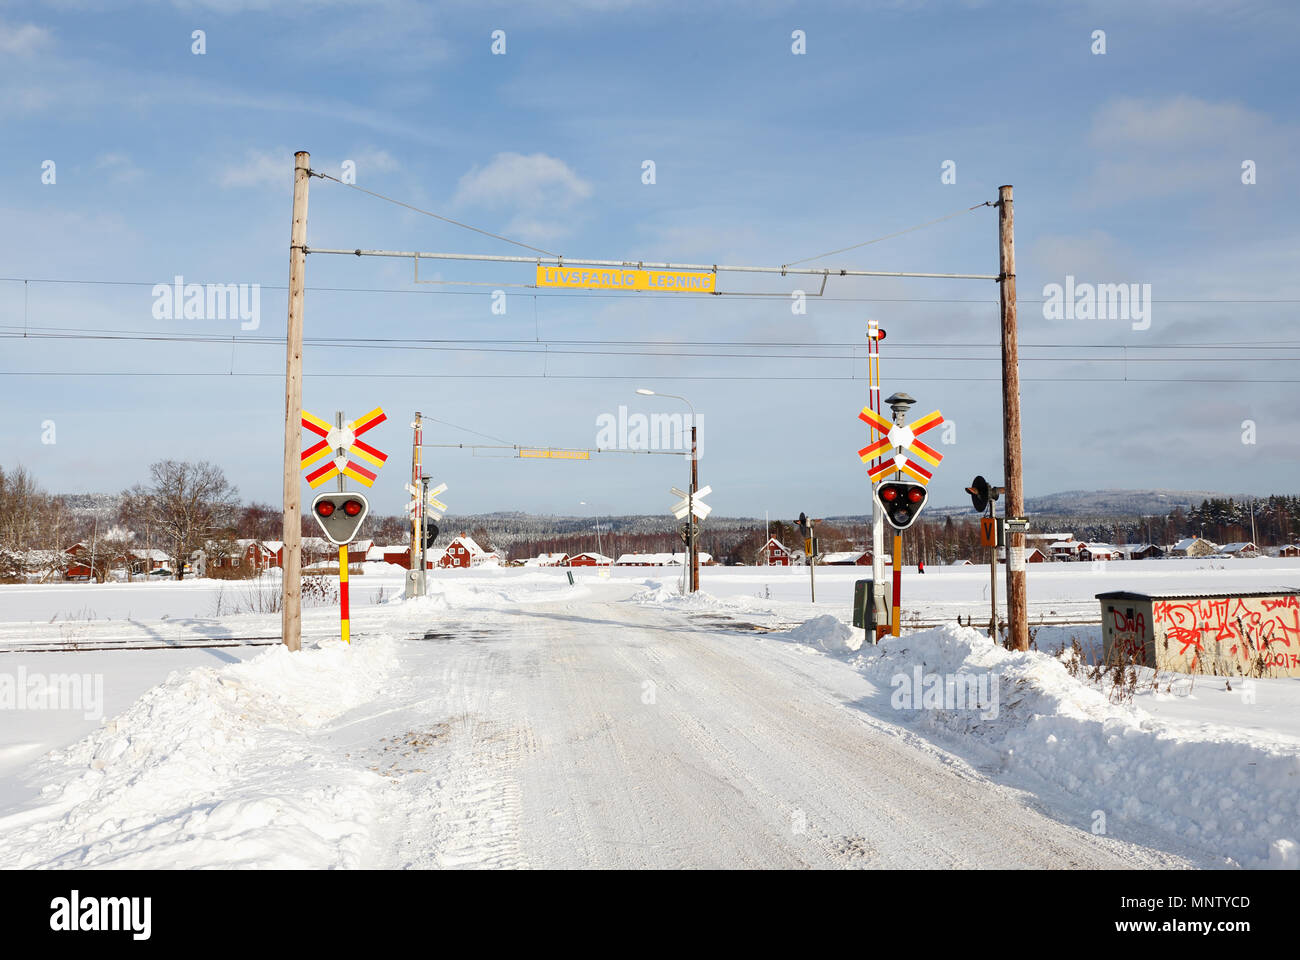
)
(1239, 634)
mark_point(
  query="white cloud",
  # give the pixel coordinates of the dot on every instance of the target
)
(118, 167)
(512, 179)
(1168, 124)
(260, 168)
(22, 40)
(541, 192)
(1159, 147)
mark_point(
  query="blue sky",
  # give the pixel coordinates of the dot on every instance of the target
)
(1127, 168)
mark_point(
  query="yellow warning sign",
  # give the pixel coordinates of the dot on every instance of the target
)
(626, 278)
(555, 454)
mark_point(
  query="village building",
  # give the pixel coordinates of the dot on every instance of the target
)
(1243, 550)
(1193, 547)
(1142, 551)
(659, 559)
(1065, 550)
(548, 560)
(774, 553)
(590, 559)
(461, 553)
(1099, 551)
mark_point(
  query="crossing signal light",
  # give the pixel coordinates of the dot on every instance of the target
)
(339, 515)
(901, 502)
(982, 493)
(430, 533)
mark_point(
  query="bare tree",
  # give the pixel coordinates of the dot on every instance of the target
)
(186, 503)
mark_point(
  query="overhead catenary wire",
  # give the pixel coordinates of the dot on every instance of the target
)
(620, 295)
(438, 375)
(430, 213)
(559, 261)
(672, 349)
(890, 236)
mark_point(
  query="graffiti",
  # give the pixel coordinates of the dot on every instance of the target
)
(1249, 629)
(1129, 635)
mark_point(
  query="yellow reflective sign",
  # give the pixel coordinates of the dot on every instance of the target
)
(556, 454)
(626, 278)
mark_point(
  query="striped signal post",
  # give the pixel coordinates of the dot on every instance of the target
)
(345, 618)
(415, 579)
(874, 335)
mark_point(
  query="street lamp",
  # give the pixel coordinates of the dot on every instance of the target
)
(694, 559)
(583, 503)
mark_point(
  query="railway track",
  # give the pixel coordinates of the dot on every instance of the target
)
(133, 643)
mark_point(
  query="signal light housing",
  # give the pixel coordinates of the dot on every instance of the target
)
(901, 502)
(340, 515)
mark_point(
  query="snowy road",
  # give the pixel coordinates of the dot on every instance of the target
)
(587, 733)
(512, 720)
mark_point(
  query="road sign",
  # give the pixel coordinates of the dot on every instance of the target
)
(694, 504)
(988, 532)
(626, 278)
(901, 436)
(339, 515)
(336, 439)
(549, 454)
(434, 507)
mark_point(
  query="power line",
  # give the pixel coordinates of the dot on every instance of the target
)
(888, 236)
(436, 216)
(567, 348)
(641, 294)
(384, 375)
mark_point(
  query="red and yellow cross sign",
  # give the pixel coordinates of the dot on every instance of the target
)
(904, 436)
(338, 438)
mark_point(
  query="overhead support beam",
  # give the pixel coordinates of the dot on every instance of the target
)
(650, 265)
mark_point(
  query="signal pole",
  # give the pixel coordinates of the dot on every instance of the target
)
(1017, 593)
(874, 336)
(690, 515)
(291, 562)
(415, 582)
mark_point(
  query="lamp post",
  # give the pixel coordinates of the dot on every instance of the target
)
(599, 549)
(694, 558)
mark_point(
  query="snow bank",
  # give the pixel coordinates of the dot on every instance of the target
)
(1219, 788)
(826, 632)
(659, 592)
(209, 769)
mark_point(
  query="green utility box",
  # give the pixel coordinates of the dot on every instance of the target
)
(869, 609)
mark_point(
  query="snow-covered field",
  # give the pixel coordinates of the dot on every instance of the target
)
(511, 719)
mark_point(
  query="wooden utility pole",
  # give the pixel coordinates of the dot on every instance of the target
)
(291, 564)
(1017, 594)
